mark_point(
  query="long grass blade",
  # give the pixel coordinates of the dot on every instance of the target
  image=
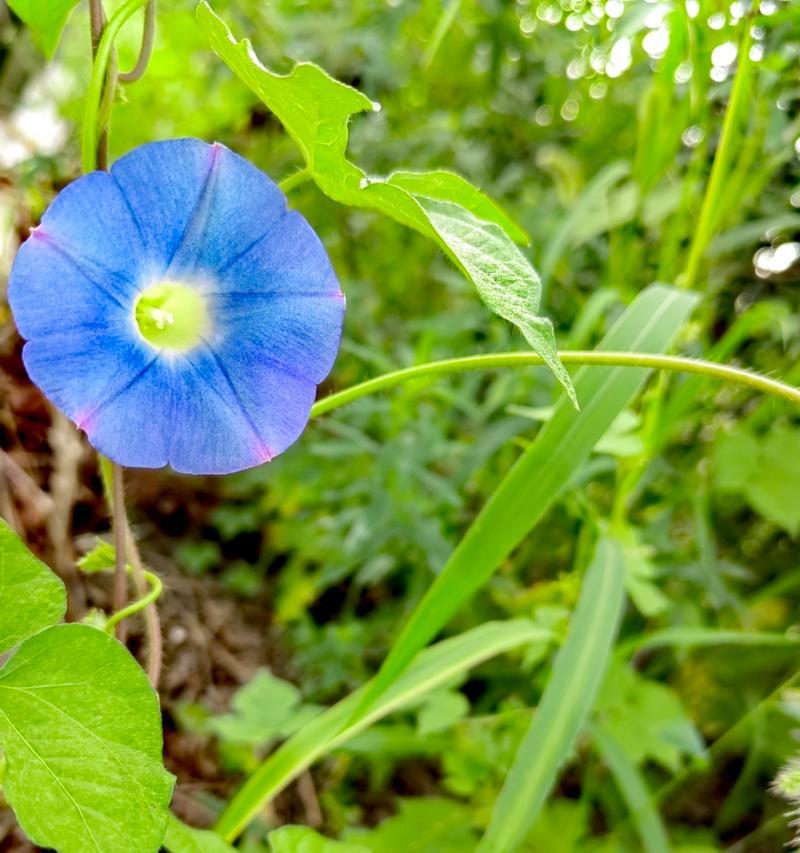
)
(634, 790)
(434, 667)
(568, 698)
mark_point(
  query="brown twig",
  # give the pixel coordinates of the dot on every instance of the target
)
(308, 796)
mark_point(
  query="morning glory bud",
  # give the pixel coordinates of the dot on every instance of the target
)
(176, 311)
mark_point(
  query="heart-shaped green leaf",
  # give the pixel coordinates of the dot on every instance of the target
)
(31, 596)
(46, 19)
(80, 729)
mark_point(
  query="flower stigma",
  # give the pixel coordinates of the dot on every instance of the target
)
(171, 315)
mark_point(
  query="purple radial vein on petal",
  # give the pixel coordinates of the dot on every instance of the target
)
(196, 222)
(86, 267)
(134, 217)
(84, 421)
(249, 248)
(266, 453)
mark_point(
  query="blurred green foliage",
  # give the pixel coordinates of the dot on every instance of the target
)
(595, 125)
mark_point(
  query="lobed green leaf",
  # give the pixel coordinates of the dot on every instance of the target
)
(470, 228)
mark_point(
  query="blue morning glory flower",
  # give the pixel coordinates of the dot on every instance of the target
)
(176, 311)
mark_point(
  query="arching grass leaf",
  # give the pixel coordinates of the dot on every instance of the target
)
(568, 698)
(541, 474)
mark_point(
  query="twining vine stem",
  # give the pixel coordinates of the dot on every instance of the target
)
(91, 131)
(94, 155)
(672, 363)
(146, 50)
(152, 595)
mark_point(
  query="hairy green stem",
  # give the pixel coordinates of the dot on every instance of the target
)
(673, 363)
(91, 130)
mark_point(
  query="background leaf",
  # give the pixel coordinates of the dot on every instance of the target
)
(301, 839)
(181, 838)
(541, 473)
(46, 18)
(80, 728)
(31, 596)
(764, 470)
(422, 825)
(264, 709)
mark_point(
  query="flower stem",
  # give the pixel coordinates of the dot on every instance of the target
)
(673, 363)
(119, 524)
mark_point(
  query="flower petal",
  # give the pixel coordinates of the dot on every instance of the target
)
(90, 224)
(299, 335)
(134, 426)
(290, 259)
(107, 383)
(238, 207)
(224, 424)
(198, 205)
(45, 285)
(163, 183)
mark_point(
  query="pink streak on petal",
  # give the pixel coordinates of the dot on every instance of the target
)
(265, 453)
(84, 420)
(43, 235)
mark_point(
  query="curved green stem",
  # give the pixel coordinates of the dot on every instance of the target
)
(295, 179)
(673, 363)
(156, 588)
(94, 95)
